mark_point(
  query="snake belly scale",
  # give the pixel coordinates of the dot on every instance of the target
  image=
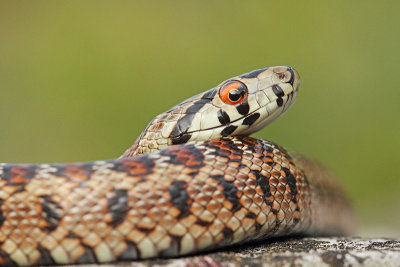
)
(193, 181)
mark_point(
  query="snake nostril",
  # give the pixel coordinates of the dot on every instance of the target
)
(286, 74)
(281, 76)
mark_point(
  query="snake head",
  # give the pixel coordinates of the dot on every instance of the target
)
(241, 106)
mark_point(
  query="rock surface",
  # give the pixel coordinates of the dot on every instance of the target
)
(293, 252)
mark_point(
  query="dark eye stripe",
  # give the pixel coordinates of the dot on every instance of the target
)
(243, 108)
(181, 139)
(209, 94)
(185, 122)
(223, 117)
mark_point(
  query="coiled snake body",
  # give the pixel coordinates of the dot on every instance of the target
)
(203, 186)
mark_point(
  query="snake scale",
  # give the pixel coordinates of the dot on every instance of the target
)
(193, 181)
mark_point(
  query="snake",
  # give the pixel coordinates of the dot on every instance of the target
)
(193, 181)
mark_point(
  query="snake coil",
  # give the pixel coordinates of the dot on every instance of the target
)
(191, 182)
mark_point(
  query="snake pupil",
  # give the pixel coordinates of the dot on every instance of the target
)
(234, 95)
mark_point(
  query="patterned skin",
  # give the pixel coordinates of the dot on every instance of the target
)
(183, 199)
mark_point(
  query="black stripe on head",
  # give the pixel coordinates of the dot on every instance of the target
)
(251, 119)
(181, 139)
(179, 132)
(182, 125)
(292, 75)
(209, 94)
(253, 74)
(223, 117)
(196, 106)
(243, 108)
(277, 90)
(228, 130)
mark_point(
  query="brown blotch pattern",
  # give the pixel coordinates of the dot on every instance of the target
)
(183, 199)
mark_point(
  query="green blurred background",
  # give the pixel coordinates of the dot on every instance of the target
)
(79, 80)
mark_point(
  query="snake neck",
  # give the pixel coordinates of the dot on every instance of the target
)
(140, 147)
(131, 152)
(153, 138)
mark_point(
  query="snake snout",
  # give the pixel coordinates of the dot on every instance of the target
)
(288, 75)
(296, 80)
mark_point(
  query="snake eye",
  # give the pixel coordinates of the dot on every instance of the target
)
(233, 92)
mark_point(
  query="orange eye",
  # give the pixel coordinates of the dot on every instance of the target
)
(233, 92)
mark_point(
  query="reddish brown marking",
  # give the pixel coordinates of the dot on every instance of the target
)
(193, 162)
(203, 199)
(214, 206)
(228, 205)
(278, 197)
(43, 224)
(268, 159)
(76, 172)
(234, 156)
(249, 191)
(251, 183)
(282, 179)
(135, 166)
(19, 174)
(186, 156)
(282, 187)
